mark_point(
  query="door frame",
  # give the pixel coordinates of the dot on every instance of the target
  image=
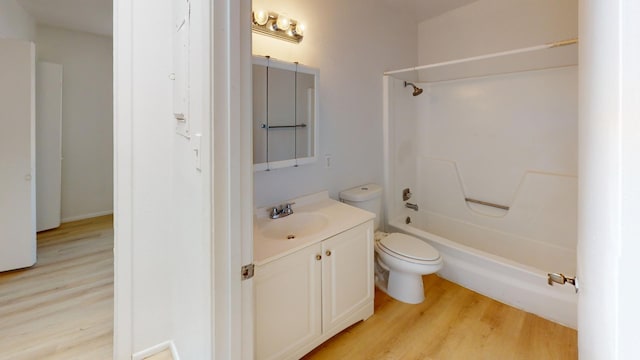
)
(232, 195)
(609, 197)
(123, 179)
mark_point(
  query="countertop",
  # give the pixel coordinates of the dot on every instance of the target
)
(340, 216)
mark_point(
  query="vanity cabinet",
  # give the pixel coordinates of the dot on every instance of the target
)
(288, 295)
(304, 298)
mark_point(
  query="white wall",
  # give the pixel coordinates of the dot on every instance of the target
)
(87, 118)
(163, 277)
(488, 26)
(352, 43)
(15, 22)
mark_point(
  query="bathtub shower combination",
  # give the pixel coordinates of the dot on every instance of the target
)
(488, 152)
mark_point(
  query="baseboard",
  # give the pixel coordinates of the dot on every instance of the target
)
(86, 216)
(156, 349)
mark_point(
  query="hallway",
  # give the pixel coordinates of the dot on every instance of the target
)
(62, 308)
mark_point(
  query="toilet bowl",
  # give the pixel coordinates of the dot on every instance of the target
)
(401, 260)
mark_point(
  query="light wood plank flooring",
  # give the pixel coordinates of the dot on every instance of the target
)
(61, 308)
(452, 323)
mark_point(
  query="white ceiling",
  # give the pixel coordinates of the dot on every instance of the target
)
(94, 16)
(422, 10)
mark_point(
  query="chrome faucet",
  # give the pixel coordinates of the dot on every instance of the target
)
(281, 211)
(411, 206)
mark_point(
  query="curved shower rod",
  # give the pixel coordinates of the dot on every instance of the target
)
(489, 56)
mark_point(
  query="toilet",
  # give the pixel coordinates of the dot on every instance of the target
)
(400, 259)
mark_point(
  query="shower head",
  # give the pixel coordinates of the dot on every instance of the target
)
(416, 90)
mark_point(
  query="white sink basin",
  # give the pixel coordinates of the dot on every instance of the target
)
(316, 217)
(295, 226)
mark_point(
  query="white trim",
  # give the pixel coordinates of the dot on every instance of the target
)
(628, 311)
(232, 198)
(246, 179)
(156, 349)
(86, 216)
(221, 304)
(229, 187)
(123, 178)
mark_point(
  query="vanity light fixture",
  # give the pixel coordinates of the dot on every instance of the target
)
(283, 23)
(277, 25)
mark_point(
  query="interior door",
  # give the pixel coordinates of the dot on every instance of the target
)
(48, 145)
(17, 155)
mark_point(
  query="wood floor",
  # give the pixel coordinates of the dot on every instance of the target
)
(452, 323)
(61, 308)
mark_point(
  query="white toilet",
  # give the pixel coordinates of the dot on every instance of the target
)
(401, 259)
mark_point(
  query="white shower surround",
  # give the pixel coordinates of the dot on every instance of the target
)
(446, 149)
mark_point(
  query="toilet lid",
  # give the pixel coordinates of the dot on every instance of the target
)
(409, 247)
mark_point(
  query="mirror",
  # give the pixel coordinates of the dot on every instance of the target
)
(285, 114)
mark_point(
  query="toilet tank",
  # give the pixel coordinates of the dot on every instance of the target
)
(367, 197)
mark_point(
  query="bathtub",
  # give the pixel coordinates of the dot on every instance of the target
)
(516, 284)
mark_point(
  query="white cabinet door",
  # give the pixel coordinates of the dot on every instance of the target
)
(287, 294)
(347, 269)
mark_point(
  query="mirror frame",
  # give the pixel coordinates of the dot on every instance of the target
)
(270, 62)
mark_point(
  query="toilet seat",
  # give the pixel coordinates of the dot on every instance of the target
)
(409, 248)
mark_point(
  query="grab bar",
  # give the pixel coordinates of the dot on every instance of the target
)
(264, 126)
(503, 207)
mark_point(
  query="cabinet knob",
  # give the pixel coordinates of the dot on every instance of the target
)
(318, 257)
(328, 253)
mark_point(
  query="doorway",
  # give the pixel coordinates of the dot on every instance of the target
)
(72, 279)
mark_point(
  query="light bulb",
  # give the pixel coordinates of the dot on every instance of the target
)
(261, 17)
(299, 29)
(283, 23)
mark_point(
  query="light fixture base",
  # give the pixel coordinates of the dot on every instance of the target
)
(270, 28)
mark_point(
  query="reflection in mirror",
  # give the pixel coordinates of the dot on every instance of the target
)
(284, 114)
(281, 114)
(305, 94)
(259, 113)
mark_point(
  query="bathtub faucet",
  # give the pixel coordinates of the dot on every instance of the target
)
(411, 206)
